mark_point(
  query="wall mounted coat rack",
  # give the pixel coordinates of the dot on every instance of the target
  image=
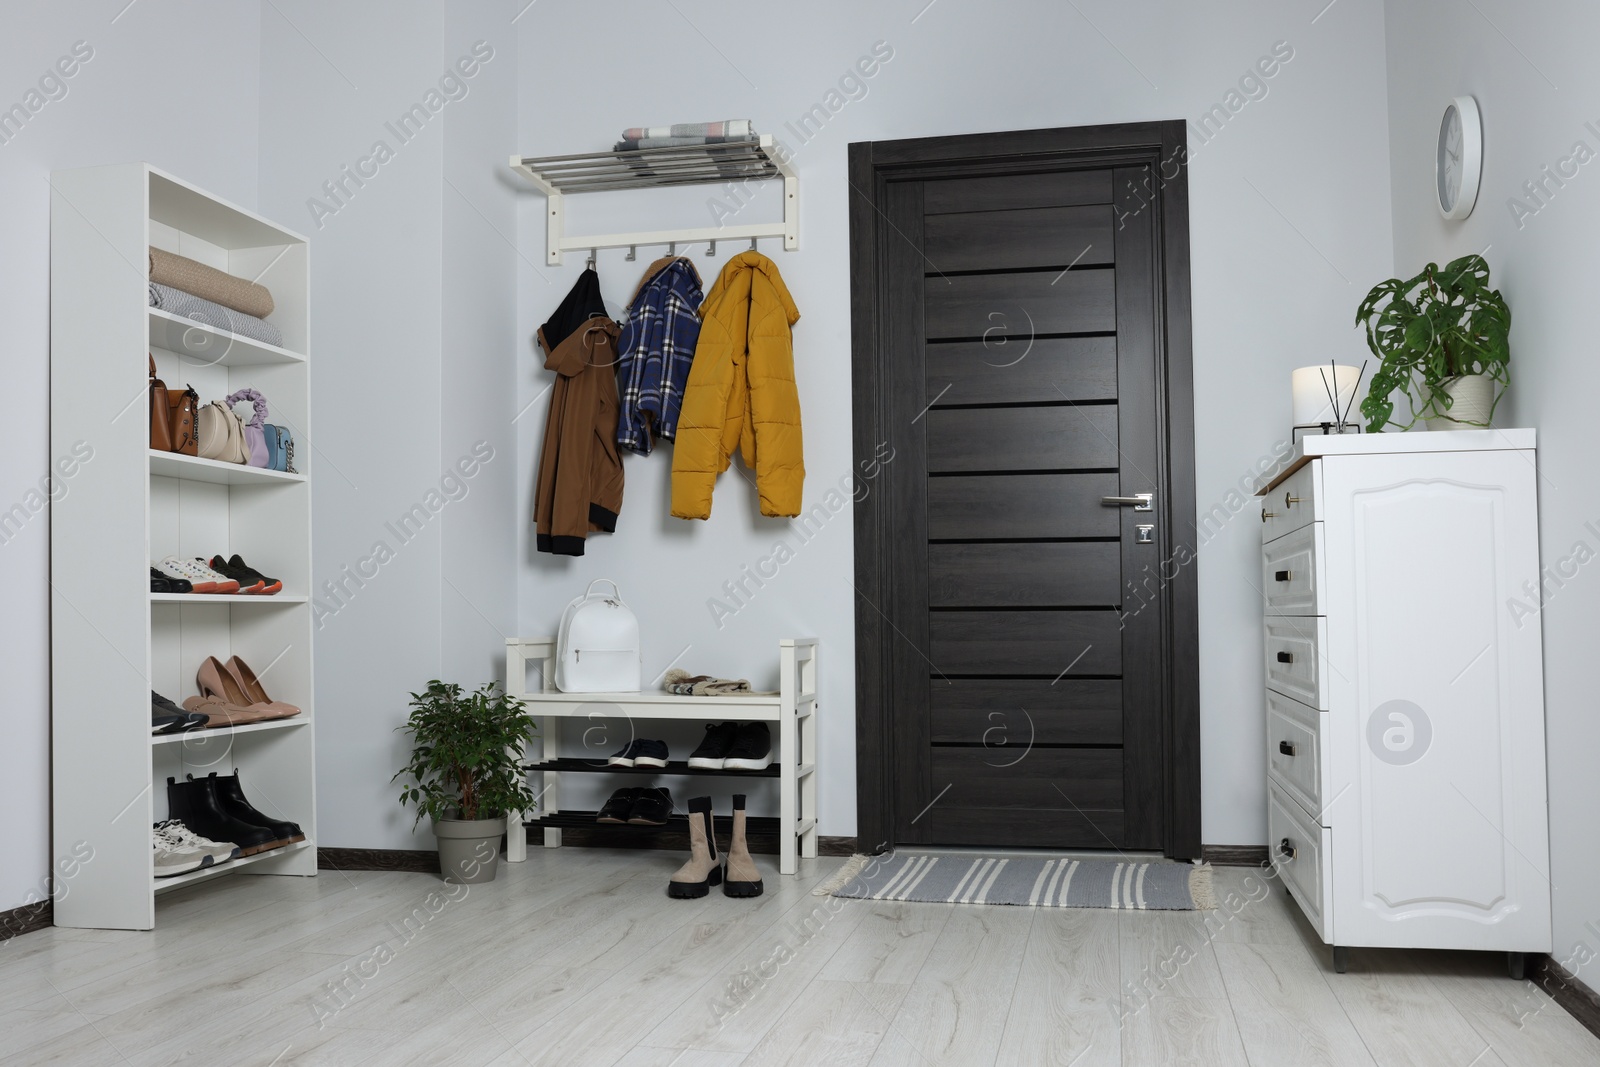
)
(649, 168)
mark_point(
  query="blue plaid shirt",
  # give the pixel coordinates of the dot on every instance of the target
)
(657, 347)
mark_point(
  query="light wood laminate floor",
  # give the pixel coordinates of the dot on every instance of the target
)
(577, 958)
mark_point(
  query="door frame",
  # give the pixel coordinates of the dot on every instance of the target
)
(873, 165)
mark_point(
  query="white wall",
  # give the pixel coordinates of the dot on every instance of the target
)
(1290, 226)
(412, 317)
(1536, 89)
(128, 102)
(426, 299)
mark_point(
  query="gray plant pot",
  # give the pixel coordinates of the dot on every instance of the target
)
(469, 849)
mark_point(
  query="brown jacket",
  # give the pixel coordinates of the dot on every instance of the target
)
(580, 472)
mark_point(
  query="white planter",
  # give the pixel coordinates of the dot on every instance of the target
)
(1471, 403)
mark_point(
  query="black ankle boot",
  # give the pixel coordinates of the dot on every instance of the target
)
(195, 804)
(231, 796)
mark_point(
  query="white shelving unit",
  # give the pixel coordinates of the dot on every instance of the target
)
(793, 711)
(113, 641)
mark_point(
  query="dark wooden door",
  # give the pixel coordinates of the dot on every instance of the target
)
(1027, 695)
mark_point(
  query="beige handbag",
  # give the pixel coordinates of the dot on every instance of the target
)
(221, 434)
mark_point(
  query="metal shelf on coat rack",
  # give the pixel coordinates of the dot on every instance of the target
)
(653, 168)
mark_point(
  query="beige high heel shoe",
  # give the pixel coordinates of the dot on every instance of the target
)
(241, 673)
(219, 687)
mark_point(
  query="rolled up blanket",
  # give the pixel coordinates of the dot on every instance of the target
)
(210, 313)
(209, 283)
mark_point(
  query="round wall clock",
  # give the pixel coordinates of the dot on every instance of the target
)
(1459, 164)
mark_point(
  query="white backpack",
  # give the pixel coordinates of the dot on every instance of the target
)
(597, 649)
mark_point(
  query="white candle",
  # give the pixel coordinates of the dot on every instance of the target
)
(1312, 387)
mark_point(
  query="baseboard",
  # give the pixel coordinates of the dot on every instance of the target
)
(416, 861)
(26, 919)
(1234, 855)
(1567, 990)
(836, 846)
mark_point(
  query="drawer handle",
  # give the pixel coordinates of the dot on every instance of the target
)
(1281, 576)
(1286, 748)
(1286, 848)
(1265, 514)
(1290, 500)
(1285, 657)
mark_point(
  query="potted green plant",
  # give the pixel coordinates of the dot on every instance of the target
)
(466, 772)
(1443, 339)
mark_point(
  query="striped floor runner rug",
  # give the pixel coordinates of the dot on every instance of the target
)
(1053, 882)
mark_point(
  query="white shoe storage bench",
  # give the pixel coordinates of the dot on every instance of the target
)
(793, 710)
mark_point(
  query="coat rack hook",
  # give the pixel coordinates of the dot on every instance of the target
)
(672, 248)
(752, 244)
(632, 253)
(711, 249)
(592, 253)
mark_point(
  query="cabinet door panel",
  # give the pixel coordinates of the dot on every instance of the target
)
(1437, 716)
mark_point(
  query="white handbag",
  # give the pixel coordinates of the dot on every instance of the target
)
(597, 649)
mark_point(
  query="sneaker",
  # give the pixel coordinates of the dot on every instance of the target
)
(178, 837)
(623, 757)
(250, 580)
(247, 584)
(619, 807)
(273, 585)
(171, 861)
(752, 748)
(202, 578)
(652, 807)
(650, 754)
(161, 583)
(714, 749)
(167, 718)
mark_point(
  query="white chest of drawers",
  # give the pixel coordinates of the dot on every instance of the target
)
(1405, 699)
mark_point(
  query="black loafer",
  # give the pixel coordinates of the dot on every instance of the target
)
(652, 807)
(619, 807)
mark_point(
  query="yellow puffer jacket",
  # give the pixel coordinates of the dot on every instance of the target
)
(741, 393)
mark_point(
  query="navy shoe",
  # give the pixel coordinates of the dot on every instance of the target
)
(649, 753)
(623, 757)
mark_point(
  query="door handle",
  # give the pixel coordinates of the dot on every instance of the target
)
(1286, 748)
(1138, 501)
(1281, 576)
(1286, 848)
(1285, 657)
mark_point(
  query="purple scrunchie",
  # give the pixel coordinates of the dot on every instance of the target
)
(260, 402)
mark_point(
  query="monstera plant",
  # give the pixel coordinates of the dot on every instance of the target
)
(1443, 340)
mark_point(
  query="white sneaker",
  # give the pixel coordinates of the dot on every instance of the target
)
(170, 862)
(197, 574)
(177, 837)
